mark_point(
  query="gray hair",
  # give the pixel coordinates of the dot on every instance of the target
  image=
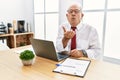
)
(74, 3)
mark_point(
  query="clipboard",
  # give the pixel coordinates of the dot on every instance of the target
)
(72, 66)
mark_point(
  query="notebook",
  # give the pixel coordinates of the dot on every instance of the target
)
(46, 49)
(72, 66)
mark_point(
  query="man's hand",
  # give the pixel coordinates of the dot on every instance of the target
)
(68, 34)
(76, 53)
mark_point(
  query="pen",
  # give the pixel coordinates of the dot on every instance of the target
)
(65, 65)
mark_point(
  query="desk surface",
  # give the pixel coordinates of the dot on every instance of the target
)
(11, 68)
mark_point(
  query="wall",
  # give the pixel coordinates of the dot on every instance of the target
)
(16, 10)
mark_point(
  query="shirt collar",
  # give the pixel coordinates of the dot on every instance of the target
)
(79, 26)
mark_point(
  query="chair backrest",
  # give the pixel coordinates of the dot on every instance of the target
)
(3, 47)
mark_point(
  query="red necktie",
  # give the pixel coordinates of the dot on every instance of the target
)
(73, 40)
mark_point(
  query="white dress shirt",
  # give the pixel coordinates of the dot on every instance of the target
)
(86, 39)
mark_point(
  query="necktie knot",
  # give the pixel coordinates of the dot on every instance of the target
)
(73, 28)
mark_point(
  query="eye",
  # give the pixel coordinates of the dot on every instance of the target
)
(75, 11)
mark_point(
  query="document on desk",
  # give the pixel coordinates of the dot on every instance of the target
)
(71, 66)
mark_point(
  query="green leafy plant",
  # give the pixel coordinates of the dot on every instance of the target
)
(27, 55)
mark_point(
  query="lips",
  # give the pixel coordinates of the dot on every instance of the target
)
(73, 18)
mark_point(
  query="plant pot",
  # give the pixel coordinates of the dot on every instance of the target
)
(27, 62)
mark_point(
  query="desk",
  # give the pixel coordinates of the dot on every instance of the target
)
(11, 68)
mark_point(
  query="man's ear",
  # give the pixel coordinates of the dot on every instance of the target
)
(66, 15)
(82, 15)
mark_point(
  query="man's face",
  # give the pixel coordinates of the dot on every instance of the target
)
(74, 15)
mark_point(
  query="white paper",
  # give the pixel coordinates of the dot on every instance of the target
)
(73, 66)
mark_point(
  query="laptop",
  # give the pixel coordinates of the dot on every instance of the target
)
(46, 49)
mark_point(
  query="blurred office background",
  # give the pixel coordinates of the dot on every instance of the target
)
(45, 16)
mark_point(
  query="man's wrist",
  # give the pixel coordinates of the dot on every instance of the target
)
(84, 53)
(65, 41)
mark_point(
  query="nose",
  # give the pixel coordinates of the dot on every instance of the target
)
(73, 13)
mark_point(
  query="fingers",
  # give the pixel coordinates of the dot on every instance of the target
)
(72, 33)
(68, 34)
(75, 53)
(64, 29)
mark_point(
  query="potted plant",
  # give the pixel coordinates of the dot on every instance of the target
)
(27, 57)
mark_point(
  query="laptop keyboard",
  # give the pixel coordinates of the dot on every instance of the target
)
(62, 55)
